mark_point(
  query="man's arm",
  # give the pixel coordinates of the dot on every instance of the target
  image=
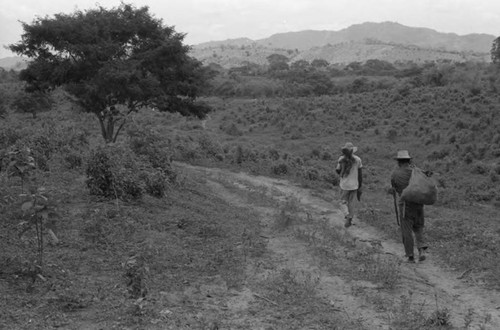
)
(360, 177)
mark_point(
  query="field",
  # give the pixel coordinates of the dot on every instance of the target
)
(232, 222)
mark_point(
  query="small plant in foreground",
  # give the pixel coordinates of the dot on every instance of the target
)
(440, 317)
(39, 213)
(135, 273)
(19, 162)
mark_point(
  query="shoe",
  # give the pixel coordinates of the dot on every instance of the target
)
(421, 254)
(411, 260)
(348, 222)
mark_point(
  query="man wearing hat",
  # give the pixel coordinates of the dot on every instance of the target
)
(349, 169)
(411, 214)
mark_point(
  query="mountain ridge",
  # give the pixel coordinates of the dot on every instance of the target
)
(389, 41)
(386, 32)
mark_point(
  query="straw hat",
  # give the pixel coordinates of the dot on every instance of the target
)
(403, 154)
(350, 146)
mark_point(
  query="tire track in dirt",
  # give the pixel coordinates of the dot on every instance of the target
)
(292, 254)
(427, 281)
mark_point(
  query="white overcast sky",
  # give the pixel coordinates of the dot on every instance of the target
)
(207, 20)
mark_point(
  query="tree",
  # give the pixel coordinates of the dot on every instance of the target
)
(113, 62)
(495, 51)
(277, 59)
(319, 63)
(378, 67)
(300, 65)
(33, 102)
(3, 105)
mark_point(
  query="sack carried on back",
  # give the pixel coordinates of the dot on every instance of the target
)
(421, 189)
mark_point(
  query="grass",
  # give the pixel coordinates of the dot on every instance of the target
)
(344, 255)
(410, 315)
(115, 259)
(190, 239)
(289, 213)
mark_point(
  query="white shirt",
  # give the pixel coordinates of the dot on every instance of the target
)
(350, 181)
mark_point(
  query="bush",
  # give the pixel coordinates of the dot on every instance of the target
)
(73, 160)
(232, 130)
(391, 134)
(210, 147)
(479, 168)
(114, 172)
(311, 174)
(156, 183)
(332, 178)
(151, 146)
(9, 136)
(279, 169)
(242, 155)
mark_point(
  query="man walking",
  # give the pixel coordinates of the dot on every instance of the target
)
(411, 214)
(349, 169)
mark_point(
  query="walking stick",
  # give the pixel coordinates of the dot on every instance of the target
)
(396, 208)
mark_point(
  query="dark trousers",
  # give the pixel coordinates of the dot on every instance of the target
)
(412, 223)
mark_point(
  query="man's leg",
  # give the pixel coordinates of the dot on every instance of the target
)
(343, 202)
(418, 229)
(350, 203)
(346, 205)
(407, 232)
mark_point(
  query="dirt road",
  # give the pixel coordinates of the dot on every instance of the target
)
(428, 286)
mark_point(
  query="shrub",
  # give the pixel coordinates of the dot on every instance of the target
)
(18, 161)
(274, 154)
(73, 160)
(114, 172)
(327, 156)
(391, 134)
(331, 177)
(156, 183)
(479, 168)
(439, 154)
(210, 147)
(468, 158)
(151, 145)
(232, 130)
(279, 169)
(9, 136)
(242, 154)
(311, 174)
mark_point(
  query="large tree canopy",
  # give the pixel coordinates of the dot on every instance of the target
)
(113, 62)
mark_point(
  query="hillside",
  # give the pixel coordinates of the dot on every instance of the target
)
(342, 53)
(385, 41)
(13, 62)
(387, 32)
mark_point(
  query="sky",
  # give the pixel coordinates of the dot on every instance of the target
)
(211, 20)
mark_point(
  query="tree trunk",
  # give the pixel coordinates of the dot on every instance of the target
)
(108, 122)
(107, 127)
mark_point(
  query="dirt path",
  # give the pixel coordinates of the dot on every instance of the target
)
(425, 282)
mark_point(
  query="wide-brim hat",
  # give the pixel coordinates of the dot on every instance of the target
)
(350, 146)
(403, 154)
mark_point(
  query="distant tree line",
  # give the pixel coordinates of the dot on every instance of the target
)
(279, 77)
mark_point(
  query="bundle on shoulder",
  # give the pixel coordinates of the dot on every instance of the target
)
(422, 189)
